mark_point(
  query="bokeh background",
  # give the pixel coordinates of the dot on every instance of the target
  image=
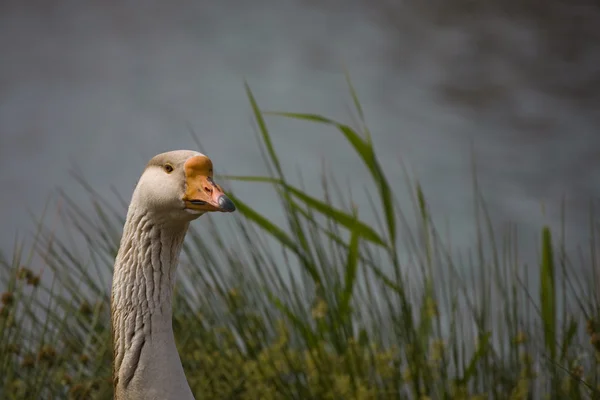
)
(99, 87)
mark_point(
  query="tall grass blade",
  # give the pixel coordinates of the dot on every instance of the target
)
(340, 217)
(367, 154)
(548, 293)
(349, 276)
(262, 126)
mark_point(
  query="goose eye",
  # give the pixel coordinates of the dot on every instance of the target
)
(168, 168)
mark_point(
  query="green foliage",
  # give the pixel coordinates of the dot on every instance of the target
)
(325, 306)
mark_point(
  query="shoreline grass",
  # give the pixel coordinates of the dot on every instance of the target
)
(323, 307)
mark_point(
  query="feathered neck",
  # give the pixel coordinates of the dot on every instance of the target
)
(146, 362)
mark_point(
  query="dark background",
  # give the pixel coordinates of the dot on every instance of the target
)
(102, 86)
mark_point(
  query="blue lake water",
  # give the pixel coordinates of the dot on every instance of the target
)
(102, 87)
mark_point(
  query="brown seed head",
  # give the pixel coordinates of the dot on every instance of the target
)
(7, 298)
(577, 372)
(66, 379)
(78, 391)
(33, 280)
(590, 327)
(595, 341)
(14, 348)
(47, 354)
(24, 273)
(28, 361)
(85, 308)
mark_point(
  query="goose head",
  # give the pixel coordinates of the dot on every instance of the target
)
(179, 186)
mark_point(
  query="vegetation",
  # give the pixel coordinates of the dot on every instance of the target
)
(324, 307)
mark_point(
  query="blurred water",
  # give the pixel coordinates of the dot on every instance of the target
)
(103, 86)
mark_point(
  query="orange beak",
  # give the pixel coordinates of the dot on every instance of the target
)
(201, 191)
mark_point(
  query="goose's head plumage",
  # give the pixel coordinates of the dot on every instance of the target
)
(179, 186)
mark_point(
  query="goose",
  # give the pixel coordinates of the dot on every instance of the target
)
(175, 188)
